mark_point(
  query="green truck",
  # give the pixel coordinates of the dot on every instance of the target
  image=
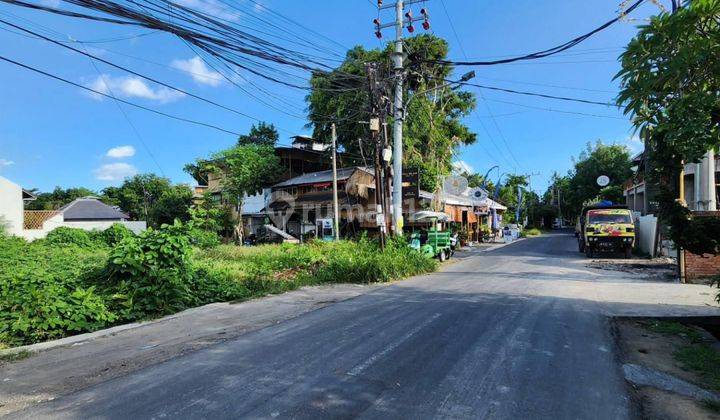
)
(433, 242)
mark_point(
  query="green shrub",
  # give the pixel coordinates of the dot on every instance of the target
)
(115, 234)
(151, 273)
(530, 232)
(70, 236)
(204, 238)
(46, 291)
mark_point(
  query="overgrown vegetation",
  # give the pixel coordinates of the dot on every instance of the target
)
(703, 359)
(76, 281)
(696, 355)
(674, 328)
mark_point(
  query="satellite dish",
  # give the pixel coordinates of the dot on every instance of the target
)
(603, 180)
(455, 184)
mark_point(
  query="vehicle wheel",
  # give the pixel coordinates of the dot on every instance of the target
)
(588, 252)
(442, 256)
(628, 252)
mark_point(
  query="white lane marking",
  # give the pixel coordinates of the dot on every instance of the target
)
(372, 359)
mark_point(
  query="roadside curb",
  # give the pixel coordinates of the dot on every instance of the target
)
(85, 337)
(80, 338)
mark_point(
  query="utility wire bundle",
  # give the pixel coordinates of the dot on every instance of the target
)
(550, 51)
(218, 38)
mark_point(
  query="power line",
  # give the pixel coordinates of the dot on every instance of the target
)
(546, 85)
(183, 91)
(550, 51)
(155, 111)
(541, 95)
(557, 110)
(127, 118)
(482, 96)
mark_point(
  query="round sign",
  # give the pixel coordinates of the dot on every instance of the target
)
(455, 184)
(603, 180)
(479, 194)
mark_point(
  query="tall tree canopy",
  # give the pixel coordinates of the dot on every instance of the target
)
(57, 198)
(151, 198)
(433, 124)
(244, 170)
(670, 82)
(611, 160)
(580, 185)
(263, 134)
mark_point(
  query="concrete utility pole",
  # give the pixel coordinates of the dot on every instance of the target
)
(336, 211)
(399, 111)
(398, 122)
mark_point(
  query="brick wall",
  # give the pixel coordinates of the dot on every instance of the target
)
(699, 267)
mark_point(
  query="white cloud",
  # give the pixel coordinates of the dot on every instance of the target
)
(633, 143)
(121, 152)
(115, 171)
(214, 8)
(462, 166)
(132, 87)
(5, 162)
(199, 71)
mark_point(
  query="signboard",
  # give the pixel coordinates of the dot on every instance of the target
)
(478, 194)
(603, 181)
(411, 183)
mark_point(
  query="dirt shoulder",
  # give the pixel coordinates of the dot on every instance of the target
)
(667, 364)
(78, 362)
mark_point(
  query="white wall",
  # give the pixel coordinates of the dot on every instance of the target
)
(57, 221)
(11, 206)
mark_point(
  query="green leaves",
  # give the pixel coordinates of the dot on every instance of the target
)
(433, 123)
(671, 86)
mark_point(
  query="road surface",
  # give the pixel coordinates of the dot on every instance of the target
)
(519, 332)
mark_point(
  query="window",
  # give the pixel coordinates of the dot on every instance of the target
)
(609, 216)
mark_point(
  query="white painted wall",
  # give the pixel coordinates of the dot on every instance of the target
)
(57, 221)
(11, 206)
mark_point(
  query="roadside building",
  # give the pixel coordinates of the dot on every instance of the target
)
(305, 155)
(700, 191)
(297, 204)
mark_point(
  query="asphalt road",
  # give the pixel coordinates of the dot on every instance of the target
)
(520, 332)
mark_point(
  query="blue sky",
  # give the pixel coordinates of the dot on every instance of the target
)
(54, 134)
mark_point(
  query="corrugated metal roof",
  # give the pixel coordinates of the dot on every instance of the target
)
(90, 208)
(322, 176)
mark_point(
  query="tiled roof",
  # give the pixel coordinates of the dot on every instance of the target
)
(322, 176)
(90, 208)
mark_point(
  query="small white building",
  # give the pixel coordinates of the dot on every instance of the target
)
(12, 205)
(87, 213)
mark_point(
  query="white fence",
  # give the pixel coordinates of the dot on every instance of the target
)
(57, 221)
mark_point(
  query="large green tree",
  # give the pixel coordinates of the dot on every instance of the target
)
(611, 160)
(262, 134)
(670, 82)
(151, 198)
(433, 121)
(244, 170)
